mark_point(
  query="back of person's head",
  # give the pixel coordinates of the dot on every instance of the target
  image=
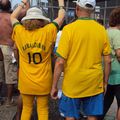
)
(85, 7)
(34, 19)
(86, 4)
(114, 19)
(5, 5)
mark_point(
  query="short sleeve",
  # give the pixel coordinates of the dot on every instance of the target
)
(64, 44)
(16, 30)
(116, 40)
(106, 48)
(52, 29)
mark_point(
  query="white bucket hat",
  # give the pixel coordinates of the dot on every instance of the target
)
(35, 13)
(87, 4)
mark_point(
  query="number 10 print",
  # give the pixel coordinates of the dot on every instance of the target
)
(32, 57)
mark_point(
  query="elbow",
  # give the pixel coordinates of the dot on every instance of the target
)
(107, 59)
(60, 62)
(118, 54)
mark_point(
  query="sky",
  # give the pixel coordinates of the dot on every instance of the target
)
(14, 2)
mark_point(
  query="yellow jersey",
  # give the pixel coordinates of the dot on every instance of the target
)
(35, 47)
(82, 45)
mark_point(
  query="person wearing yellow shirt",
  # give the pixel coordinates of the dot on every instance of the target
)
(34, 39)
(82, 46)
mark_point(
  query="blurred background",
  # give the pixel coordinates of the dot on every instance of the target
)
(50, 8)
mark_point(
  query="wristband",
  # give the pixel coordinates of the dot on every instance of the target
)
(23, 2)
(61, 7)
(22, 5)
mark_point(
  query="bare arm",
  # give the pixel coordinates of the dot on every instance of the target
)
(16, 53)
(23, 11)
(117, 51)
(61, 13)
(16, 13)
(107, 69)
(59, 65)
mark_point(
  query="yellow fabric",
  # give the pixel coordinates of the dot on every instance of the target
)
(42, 107)
(82, 44)
(35, 74)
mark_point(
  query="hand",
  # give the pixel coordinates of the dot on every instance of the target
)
(54, 93)
(24, 1)
(61, 12)
(105, 88)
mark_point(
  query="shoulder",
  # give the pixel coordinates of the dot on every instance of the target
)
(5, 15)
(70, 25)
(51, 26)
(113, 32)
(18, 27)
(97, 24)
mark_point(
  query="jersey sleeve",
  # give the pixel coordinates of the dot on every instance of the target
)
(52, 29)
(116, 40)
(106, 48)
(17, 27)
(64, 44)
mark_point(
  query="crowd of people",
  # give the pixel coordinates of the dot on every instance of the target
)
(86, 54)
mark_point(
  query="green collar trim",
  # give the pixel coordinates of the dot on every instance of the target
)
(58, 55)
(17, 23)
(56, 24)
(85, 18)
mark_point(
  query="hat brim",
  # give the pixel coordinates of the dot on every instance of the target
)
(83, 6)
(77, 3)
(36, 17)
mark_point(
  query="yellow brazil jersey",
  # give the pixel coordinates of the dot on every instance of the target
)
(35, 74)
(82, 45)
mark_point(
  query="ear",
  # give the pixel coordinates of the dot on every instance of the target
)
(77, 9)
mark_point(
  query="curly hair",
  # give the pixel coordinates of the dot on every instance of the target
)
(114, 18)
(33, 24)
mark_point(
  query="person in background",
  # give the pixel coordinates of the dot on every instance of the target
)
(82, 46)
(113, 88)
(1, 74)
(34, 39)
(7, 50)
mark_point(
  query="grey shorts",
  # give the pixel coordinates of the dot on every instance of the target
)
(2, 73)
(10, 68)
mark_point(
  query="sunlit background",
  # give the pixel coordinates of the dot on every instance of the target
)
(33, 2)
(102, 11)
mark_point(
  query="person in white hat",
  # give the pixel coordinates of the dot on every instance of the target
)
(34, 39)
(82, 46)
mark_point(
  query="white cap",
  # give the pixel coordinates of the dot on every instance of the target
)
(87, 4)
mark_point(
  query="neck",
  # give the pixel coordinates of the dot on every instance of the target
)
(84, 15)
(4, 11)
(116, 27)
